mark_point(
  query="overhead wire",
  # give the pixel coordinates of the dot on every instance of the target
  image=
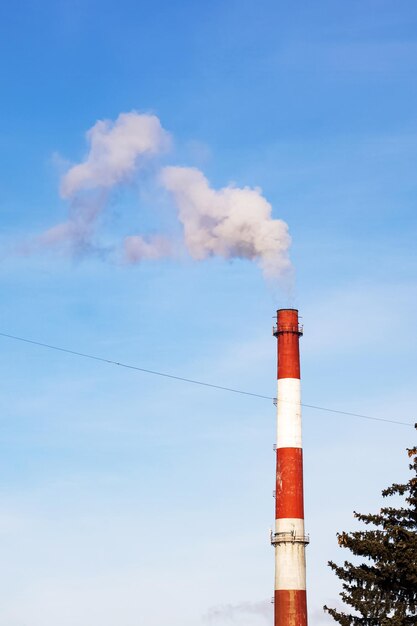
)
(193, 381)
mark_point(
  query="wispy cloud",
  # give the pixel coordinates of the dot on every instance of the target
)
(238, 612)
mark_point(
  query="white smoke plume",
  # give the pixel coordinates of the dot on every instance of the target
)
(230, 222)
(115, 149)
(138, 248)
(76, 234)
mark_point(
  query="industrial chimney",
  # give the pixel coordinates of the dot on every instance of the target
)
(289, 539)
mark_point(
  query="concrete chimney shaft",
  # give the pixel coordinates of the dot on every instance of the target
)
(289, 539)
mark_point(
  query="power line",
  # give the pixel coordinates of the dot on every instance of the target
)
(366, 417)
(192, 380)
(134, 367)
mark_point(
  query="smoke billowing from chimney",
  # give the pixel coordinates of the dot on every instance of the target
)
(230, 222)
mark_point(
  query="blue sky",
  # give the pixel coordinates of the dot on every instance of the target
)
(129, 499)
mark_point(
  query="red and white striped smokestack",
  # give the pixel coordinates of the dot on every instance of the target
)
(289, 539)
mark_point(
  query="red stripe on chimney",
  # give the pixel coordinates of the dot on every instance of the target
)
(288, 344)
(290, 607)
(289, 485)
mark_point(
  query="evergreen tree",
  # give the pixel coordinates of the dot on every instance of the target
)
(382, 590)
